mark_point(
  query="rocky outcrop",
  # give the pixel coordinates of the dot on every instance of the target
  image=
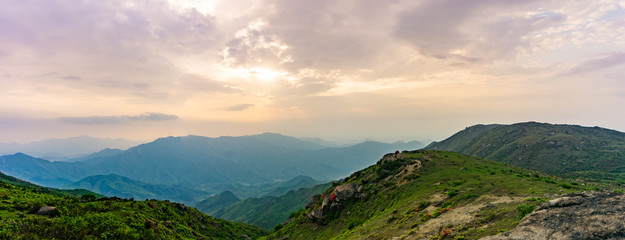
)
(587, 215)
(390, 157)
(345, 192)
(334, 201)
(47, 211)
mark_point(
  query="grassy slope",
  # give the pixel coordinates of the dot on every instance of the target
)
(447, 179)
(267, 212)
(569, 150)
(215, 203)
(106, 218)
(36, 188)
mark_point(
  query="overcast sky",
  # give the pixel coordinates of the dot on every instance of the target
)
(340, 70)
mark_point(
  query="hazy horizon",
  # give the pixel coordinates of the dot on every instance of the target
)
(340, 71)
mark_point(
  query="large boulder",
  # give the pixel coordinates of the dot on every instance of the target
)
(330, 203)
(347, 191)
(315, 215)
(49, 211)
(390, 157)
(587, 215)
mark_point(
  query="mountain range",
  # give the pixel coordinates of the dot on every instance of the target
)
(66, 149)
(419, 194)
(212, 165)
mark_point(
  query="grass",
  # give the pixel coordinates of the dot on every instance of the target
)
(395, 207)
(90, 217)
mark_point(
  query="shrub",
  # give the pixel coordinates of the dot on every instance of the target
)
(452, 193)
(524, 209)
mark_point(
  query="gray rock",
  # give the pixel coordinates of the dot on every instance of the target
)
(315, 214)
(389, 157)
(336, 206)
(325, 203)
(345, 192)
(46, 210)
(589, 215)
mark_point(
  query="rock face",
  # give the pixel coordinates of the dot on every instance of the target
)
(587, 215)
(332, 202)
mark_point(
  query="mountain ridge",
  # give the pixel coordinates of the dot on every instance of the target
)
(553, 148)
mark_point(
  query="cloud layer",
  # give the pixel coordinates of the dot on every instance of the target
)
(309, 67)
(97, 120)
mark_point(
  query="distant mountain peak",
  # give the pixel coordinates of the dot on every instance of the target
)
(552, 148)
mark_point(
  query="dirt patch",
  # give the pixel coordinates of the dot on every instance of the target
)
(404, 176)
(457, 216)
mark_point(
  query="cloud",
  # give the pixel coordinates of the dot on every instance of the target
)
(240, 107)
(116, 47)
(72, 77)
(104, 120)
(609, 60)
(474, 31)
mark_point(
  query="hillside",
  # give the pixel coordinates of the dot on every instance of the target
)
(265, 212)
(217, 202)
(29, 214)
(557, 149)
(123, 187)
(424, 195)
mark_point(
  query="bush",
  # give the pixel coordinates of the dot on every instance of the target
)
(88, 198)
(524, 209)
(452, 193)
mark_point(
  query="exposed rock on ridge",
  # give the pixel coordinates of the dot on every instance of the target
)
(332, 202)
(587, 215)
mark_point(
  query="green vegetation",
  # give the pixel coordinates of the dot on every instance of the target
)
(455, 196)
(216, 203)
(123, 187)
(267, 212)
(87, 216)
(565, 150)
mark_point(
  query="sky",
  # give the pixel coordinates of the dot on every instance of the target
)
(338, 70)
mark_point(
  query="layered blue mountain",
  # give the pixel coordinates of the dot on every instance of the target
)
(65, 149)
(211, 165)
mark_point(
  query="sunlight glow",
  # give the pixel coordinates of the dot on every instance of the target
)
(205, 7)
(265, 74)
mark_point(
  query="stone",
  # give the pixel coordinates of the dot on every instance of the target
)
(315, 215)
(346, 191)
(587, 215)
(47, 210)
(390, 157)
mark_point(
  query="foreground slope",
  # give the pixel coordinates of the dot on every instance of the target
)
(423, 195)
(588, 215)
(29, 213)
(556, 149)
